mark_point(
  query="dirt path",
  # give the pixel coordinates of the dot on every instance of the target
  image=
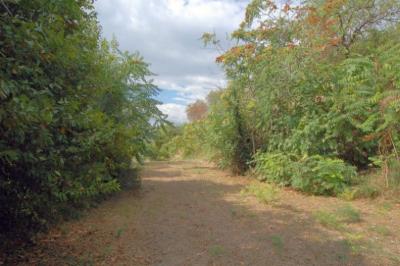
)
(188, 213)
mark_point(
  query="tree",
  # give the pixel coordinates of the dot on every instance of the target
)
(197, 110)
(74, 112)
(310, 83)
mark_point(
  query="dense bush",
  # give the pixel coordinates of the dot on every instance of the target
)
(323, 176)
(313, 91)
(74, 110)
(164, 144)
(275, 167)
(312, 174)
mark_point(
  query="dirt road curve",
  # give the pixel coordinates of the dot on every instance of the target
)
(188, 213)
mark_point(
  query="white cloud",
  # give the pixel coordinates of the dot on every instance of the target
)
(167, 33)
(191, 87)
(176, 112)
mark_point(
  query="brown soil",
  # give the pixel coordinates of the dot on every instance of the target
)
(189, 213)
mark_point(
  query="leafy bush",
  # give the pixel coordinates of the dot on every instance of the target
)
(164, 144)
(74, 111)
(314, 174)
(275, 167)
(322, 176)
(299, 87)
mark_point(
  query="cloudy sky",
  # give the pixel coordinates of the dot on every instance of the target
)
(167, 34)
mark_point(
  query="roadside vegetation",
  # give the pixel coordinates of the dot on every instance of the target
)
(312, 104)
(312, 101)
(74, 111)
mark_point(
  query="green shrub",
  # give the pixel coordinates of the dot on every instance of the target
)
(322, 176)
(74, 111)
(274, 167)
(312, 174)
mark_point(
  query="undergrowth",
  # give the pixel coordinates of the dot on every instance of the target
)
(339, 218)
(265, 193)
(312, 174)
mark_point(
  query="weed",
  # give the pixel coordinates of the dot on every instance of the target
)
(364, 190)
(343, 257)
(348, 214)
(347, 194)
(355, 242)
(335, 220)
(277, 242)
(394, 174)
(119, 232)
(216, 250)
(394, 258)
(381, 229)
(385, 207)
(265, 193)
(329, 220)
(367, 191)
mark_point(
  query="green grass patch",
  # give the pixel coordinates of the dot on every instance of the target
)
(362, 191)
(216, 250)
(348, 214)
(339, 218)
(119, 232)
(355, 242)
(277, 242)
(329, 220)
(265, 193)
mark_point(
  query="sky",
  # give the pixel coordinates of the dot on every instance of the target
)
(167, 34)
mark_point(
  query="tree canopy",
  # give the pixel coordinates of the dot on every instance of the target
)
(313, 94)
(74, 111)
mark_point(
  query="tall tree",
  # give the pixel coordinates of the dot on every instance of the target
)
(197, 110)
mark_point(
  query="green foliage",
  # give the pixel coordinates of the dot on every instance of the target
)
(274, 167)
(312, 174)
(322, 176)
(364, 190)
(163, 144)
(313, 95)
(74, 111)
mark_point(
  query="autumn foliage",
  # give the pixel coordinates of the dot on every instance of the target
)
(197, 110)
